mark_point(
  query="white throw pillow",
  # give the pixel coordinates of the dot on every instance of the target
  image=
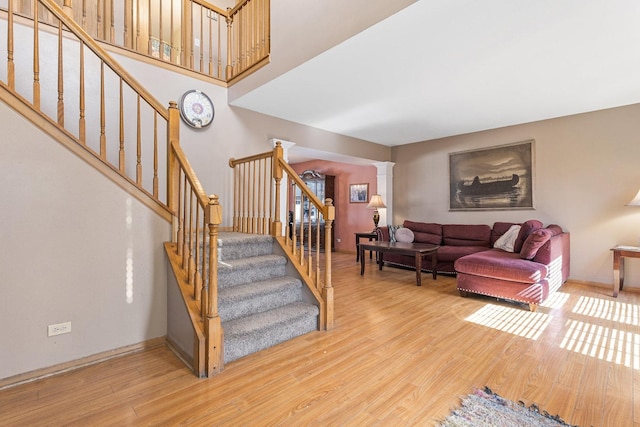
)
(508, 239)
(404, 235)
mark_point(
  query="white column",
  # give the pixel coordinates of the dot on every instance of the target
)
(385, 189)
(284, 214)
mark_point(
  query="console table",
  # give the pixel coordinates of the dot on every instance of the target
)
(371, 235)
(619, 254)
(418, 250)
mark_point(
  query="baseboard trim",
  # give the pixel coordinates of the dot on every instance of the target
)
(628, 288)
(79, 363)
(180, 354)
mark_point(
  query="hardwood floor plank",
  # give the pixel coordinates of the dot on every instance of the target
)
(398, 355)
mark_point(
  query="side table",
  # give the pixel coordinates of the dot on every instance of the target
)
(371, 235)
(619, 254)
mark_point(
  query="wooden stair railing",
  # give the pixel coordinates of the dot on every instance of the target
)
(194, 255)
(193, 34)
(112, 116)
(257, 208)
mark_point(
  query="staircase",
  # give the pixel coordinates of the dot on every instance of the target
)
(224, 302)
(259, 304)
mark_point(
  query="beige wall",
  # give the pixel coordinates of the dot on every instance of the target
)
(586, 170)
(76, 248)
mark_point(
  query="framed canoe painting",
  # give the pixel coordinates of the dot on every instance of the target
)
(492, 178)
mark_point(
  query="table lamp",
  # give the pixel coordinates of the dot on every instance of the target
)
(376, 203)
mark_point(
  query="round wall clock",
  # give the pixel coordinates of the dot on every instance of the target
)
(196, 109)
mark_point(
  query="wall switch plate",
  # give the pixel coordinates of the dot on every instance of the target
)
(59, 328)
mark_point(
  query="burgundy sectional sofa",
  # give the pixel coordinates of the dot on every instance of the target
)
(538, 265)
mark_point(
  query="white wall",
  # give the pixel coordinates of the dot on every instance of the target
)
(302, 29)
(586, 170)
(76, 248)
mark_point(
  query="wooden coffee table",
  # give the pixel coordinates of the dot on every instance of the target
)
(418, 250)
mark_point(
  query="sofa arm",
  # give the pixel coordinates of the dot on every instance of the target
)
(383, 233)
(556, 253)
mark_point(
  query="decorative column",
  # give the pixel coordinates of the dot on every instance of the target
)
(385, 189)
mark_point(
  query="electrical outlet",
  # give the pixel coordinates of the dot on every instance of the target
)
(338, 240)
(59, 328)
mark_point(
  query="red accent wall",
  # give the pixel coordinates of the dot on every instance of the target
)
(350, 217)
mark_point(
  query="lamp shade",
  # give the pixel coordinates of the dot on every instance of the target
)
(635, 201)
(376, 202)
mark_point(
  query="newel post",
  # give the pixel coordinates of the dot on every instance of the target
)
(213, 326)
(327, 290)
(278, 155)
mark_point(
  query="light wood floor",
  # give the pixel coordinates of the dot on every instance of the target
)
(399, 355)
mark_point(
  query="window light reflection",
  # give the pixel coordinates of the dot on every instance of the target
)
(556, 300)
(608, 344)
(515, 321)
(609, 310)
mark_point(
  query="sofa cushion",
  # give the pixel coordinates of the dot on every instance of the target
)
(526, 229)
(425, 232)
(498, 264)
(404, 235)
(466, 235)
(508, 239)
(534, 242)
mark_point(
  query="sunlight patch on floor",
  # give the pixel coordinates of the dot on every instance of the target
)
(515, 321)
(610, 310)
(609, 344)
(556, 300)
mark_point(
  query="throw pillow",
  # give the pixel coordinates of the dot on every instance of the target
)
(404, 235)
(392, 232)
(525, 230)
(508, 239)
(534, 242)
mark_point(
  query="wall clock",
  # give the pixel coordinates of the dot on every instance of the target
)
(196, 109)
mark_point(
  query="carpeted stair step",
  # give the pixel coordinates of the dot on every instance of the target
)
(248, 270)
(233, 245)
(247, 335)
(250, 298)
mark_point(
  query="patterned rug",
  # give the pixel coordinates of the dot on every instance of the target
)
(485, 408)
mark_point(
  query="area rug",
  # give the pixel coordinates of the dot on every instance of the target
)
(485, 408)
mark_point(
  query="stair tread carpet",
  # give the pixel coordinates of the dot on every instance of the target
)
(266, 319)
(242, 300)
(257, 332)
(248, 270)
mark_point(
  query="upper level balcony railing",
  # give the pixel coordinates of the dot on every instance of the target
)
(192, 34)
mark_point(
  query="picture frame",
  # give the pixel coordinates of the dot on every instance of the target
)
(359, 193)
(494, 178)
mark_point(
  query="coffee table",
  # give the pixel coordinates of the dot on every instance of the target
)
(418, 250)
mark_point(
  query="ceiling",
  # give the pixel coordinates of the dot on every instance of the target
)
(450, 67)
